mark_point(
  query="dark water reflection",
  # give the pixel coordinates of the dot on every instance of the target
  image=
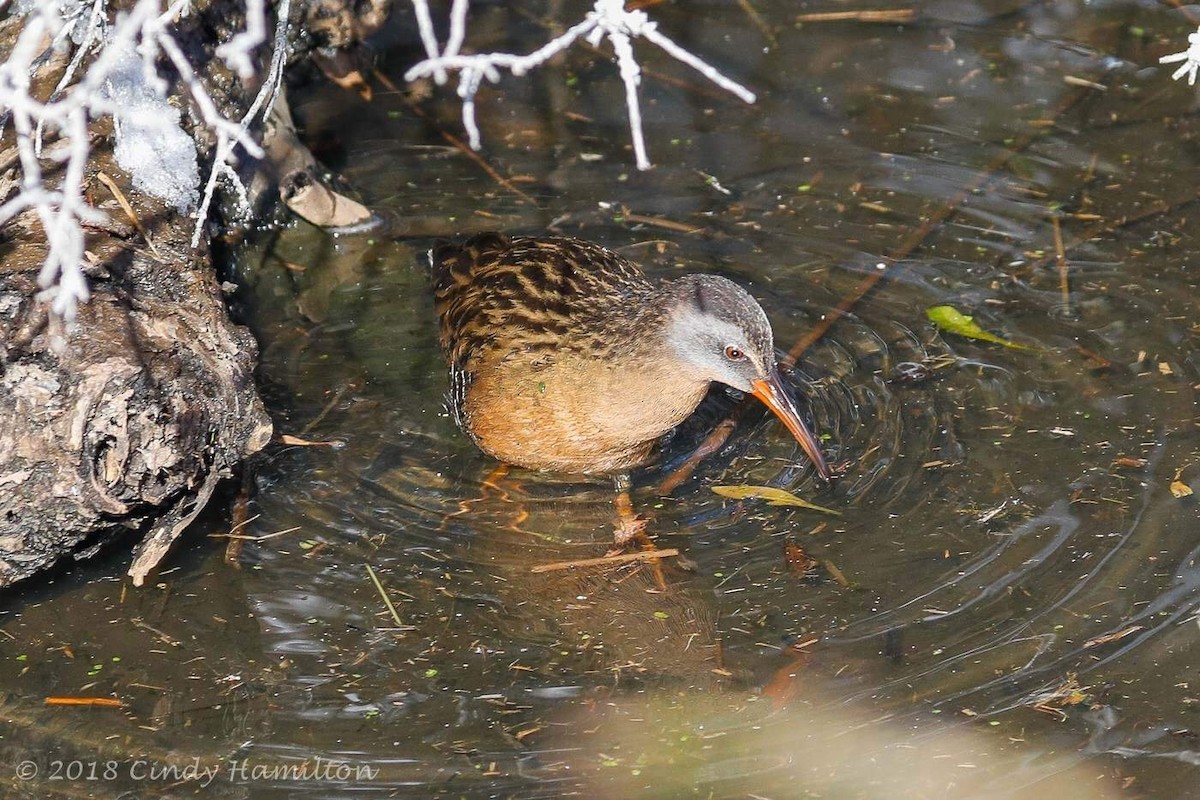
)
(1007, 532)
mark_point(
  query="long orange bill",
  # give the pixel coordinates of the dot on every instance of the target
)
(771, 392)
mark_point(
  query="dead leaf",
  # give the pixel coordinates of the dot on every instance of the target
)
(799, 563)
(773, 496)
(287, 438)
(323, 207)
(1127, 462)
(340, 67)
(950, 319)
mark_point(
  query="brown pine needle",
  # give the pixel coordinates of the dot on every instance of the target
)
(884, 15)
(660, 222)
(383, 593)
(99, 702)
(128, 209)
(759, 22)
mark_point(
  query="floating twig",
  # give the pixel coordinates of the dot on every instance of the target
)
(1113, 637)
(96, 702)
(881, 15)
(619, 558)
(383, 593)
(1060, 257)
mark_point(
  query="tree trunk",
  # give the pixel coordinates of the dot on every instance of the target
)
(128, 418)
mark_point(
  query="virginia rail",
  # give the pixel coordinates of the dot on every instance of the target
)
(565, 356)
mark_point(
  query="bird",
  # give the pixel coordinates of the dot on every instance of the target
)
(565, 356)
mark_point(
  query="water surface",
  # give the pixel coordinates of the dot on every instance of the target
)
(1006, 605)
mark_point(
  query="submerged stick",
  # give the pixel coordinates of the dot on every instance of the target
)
(1060, 257)
(383, 593)
(620, 558)
(887, 16)
(458, 144)
(71, 700)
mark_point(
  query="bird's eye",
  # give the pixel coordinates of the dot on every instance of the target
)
(734, 354)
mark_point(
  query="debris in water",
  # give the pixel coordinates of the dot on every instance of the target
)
(773, 496)
(951, 320)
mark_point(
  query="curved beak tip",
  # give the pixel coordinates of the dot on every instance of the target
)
(771, 392)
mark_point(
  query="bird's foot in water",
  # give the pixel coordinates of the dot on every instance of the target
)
(629, 530)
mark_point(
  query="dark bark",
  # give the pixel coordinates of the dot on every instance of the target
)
(128, 418)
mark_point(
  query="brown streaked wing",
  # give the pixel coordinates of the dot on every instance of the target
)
(536, 292)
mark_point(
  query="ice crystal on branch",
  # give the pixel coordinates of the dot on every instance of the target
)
(122, 79)
(608, 19)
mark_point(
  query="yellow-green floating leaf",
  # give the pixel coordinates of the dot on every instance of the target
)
(951, 320)
(773, 496)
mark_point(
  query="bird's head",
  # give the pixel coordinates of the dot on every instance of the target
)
(720, 333)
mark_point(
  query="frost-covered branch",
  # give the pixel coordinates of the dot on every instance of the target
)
(260, 108)
(121, 81)
(1190, 59)
(608, 19)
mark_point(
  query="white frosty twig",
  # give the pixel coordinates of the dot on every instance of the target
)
(607, 19)
(150, 145)
(1189, 57)
(237, 51)
(239, 133)
(428, 35)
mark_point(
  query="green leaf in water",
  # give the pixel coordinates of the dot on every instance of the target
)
(951, 320)
(773, 496)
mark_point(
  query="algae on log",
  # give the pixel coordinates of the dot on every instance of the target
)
(128, 418)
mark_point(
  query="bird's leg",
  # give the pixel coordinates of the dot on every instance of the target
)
(629, 527)
(492, 481)
(490, 485)
(712, 443)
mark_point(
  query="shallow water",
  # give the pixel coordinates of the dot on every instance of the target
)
(1006, 605)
